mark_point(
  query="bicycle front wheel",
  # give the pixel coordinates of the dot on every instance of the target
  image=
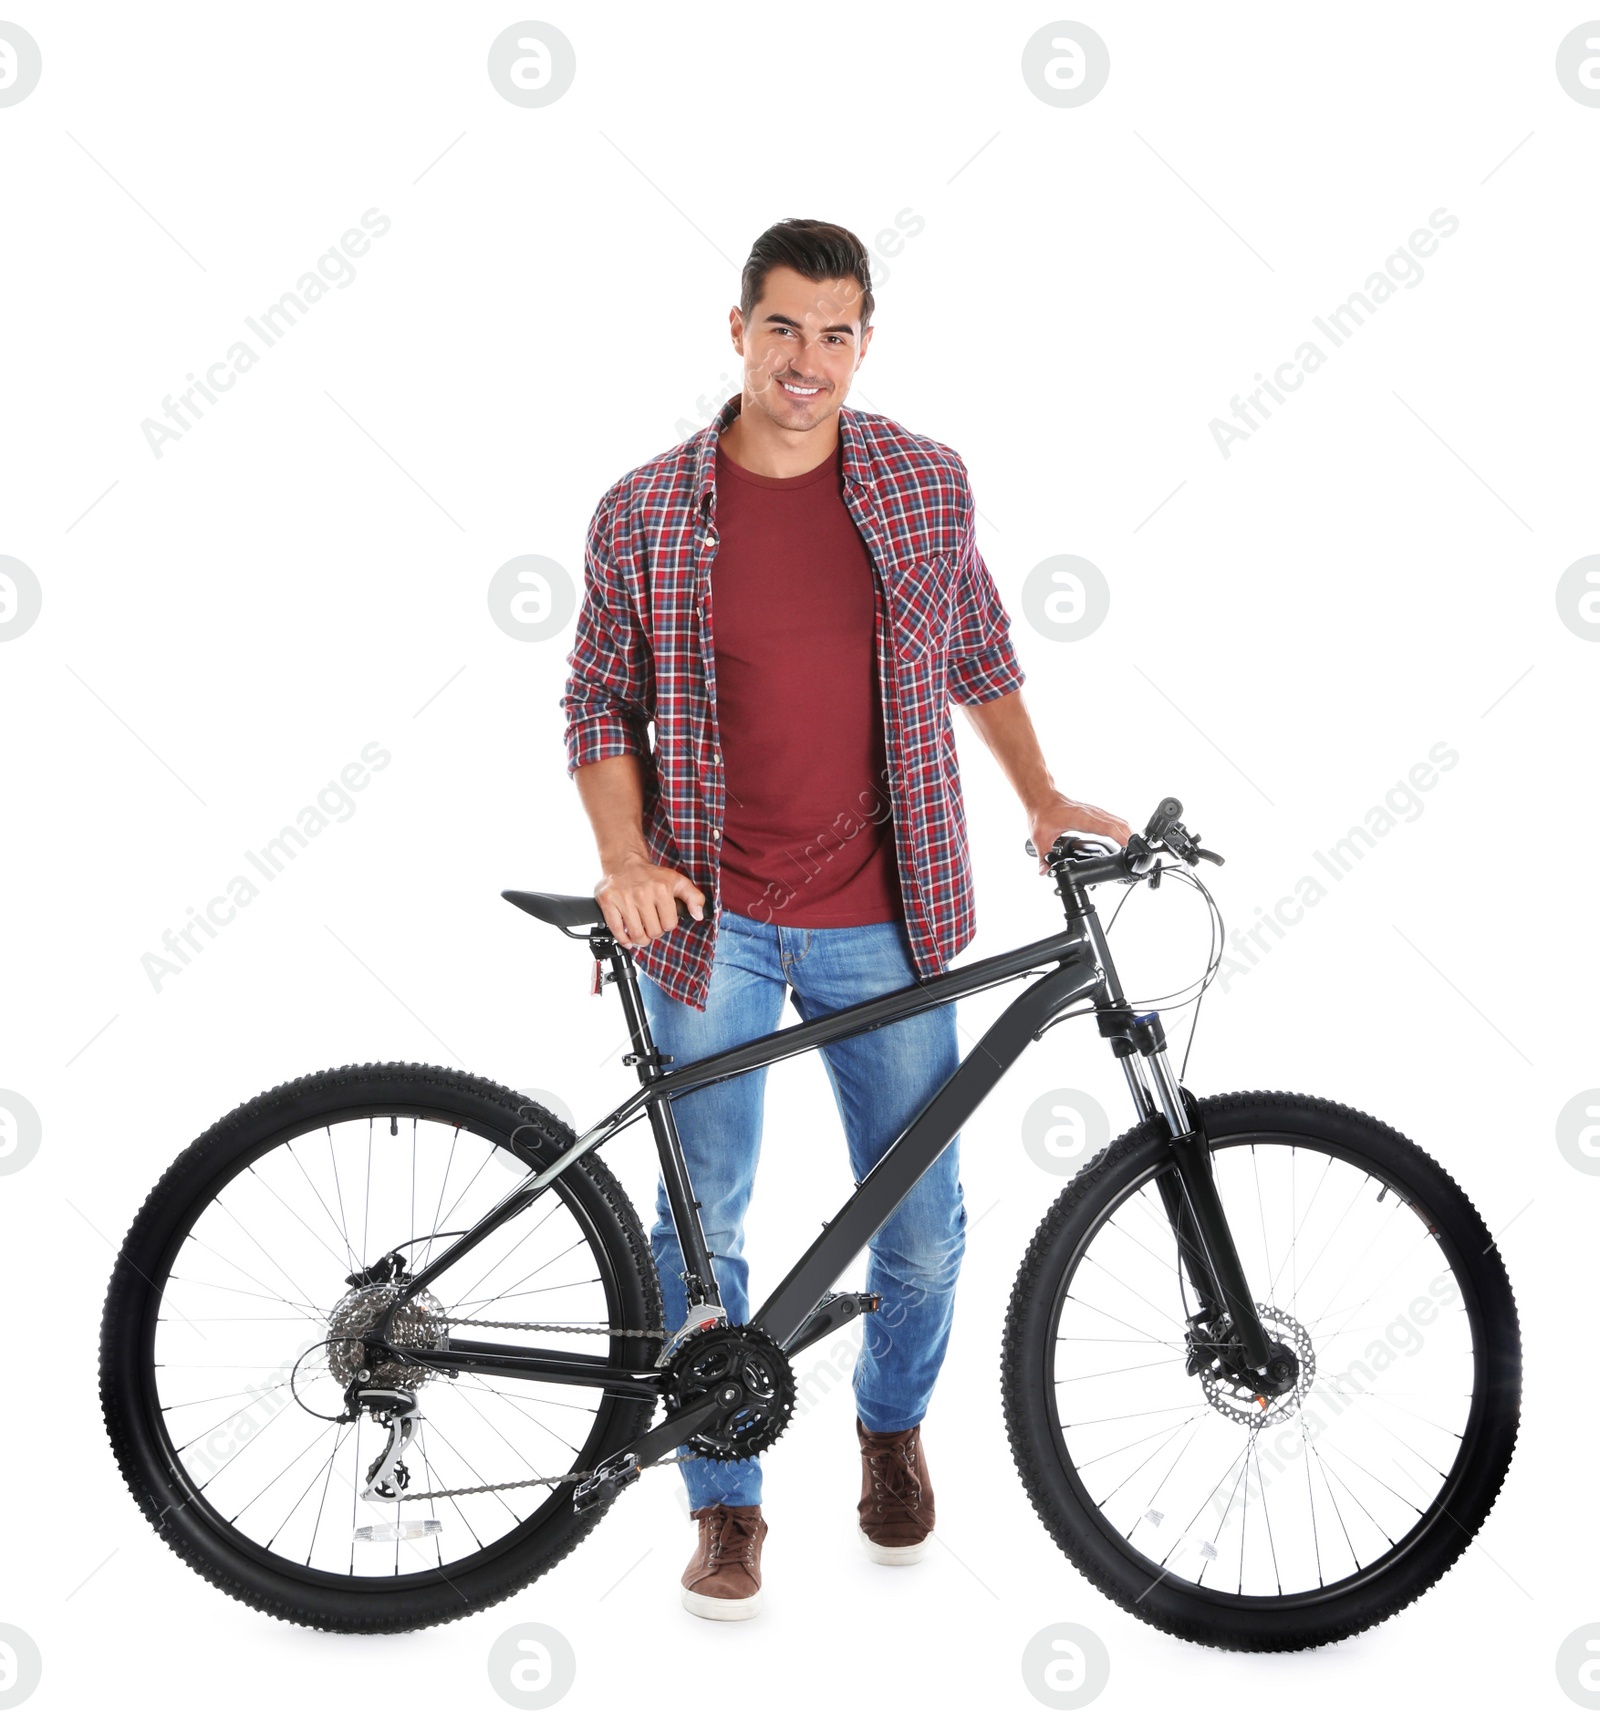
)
(232, 1331)
(1211, 1511)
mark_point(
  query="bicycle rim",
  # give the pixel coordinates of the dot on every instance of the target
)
(1304, 1498)
(247, 1347)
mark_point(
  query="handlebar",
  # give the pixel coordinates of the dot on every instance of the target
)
(1088, 859)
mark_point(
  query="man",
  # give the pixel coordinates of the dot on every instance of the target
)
(794, 596)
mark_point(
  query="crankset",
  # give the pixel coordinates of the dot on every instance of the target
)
(748, 1377)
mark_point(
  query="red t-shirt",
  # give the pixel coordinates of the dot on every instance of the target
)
(808, 830)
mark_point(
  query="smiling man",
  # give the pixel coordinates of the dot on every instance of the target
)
(794, 597)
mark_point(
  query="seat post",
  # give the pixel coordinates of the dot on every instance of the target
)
(626, 978)
(700, 1281)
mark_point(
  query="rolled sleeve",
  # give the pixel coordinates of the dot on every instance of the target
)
(983, 662)
(609, 699)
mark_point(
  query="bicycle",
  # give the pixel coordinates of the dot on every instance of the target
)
(1176, 1395)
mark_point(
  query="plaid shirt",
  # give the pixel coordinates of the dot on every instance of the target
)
(643, 654)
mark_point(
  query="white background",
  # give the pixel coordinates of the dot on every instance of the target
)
(307, 570)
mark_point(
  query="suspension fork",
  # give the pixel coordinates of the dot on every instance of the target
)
(1195, 1210)
(1189, 1193)
(1168, 1184)
(1189, 1188)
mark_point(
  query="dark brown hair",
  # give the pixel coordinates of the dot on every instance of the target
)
(818, 251)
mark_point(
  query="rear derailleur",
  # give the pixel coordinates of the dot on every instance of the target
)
(399, 1409)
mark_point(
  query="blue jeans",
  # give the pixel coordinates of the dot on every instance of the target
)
(880, 1079)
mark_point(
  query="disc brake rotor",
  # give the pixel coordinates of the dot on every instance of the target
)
(1236, 1400)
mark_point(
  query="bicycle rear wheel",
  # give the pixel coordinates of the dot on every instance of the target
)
(226, 1346)
(1221, 1515)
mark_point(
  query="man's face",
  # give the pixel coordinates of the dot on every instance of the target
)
(801, 347)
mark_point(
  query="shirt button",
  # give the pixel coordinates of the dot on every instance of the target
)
(715, 835)
(716, 757)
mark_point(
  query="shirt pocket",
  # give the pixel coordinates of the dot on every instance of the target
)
(920, 611)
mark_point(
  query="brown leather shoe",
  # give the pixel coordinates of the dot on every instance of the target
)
(723, 1579)
(896, 1507)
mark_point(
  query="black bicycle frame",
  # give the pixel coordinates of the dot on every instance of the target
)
(1075, 964)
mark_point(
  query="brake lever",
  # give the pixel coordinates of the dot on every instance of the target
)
(1188, 849)
(1192, 852)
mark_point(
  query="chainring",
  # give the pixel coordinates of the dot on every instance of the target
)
(748, 1372)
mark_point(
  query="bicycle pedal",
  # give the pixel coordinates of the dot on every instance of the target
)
(602, 1486)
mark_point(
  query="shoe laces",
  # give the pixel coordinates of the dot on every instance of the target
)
(894, 1473)
(732, 1535)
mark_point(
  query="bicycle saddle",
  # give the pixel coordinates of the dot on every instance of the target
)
(563, 911)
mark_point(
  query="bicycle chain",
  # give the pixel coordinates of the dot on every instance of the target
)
(553, 1479)
(523, 1484)
(561, 1328)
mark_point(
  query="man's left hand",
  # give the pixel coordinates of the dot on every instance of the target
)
(1050, 820)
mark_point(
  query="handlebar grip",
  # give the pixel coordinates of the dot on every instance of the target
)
(1164, 816)
(1075, 845)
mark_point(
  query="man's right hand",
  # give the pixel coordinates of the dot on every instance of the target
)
(640, 901)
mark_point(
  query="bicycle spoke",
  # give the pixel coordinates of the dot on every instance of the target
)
(1117, 1419)
(1266, 1517)
(338, 1191)
(335, 1221)
(512, 1252)
(298, 1216)
(230, 1395)
(1173, 1469)
(246, 1293)
(1099, 1312)
(327, 1480)
(1116, 1371)
(541, 1400)
(257, 1497)
(530, 1292)
(1261, 1215)
(306, 1307)
(449, 1165)
(1166, 1435)
(1165, 1318)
